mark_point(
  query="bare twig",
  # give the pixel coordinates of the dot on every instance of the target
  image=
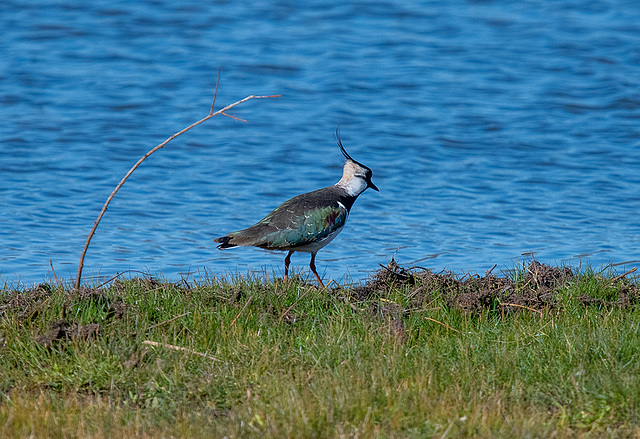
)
(143, 158)
(135, 334)
(443, 324)
(411, 311)
(294, 304)
(38, 308)
(179, 348)
(417, 267)
(55, 276)
(488, 272)
(234, 117)
(446, 432)
(521, 306)
(118, 275)
(624, 274)
(233, 322)
(167, 321)
(414, 292)
(397, 273)
(215, 93)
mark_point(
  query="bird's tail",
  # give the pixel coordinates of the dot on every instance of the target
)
(252, 236)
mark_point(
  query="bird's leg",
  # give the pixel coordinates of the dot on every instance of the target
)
(312, 265)
(287, 261)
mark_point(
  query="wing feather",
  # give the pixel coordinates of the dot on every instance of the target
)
(302, 228)
(300, 221)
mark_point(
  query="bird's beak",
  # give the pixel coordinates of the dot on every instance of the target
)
(372, 186)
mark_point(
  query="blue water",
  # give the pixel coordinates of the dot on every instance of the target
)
(493, 128)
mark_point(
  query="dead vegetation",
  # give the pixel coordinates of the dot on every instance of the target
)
(539, 288)
(27, 306)
(156, 350)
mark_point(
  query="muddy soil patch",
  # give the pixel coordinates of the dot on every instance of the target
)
(390, 276)
(539, 288)
(30, 303)
(44, 301)
(113, 306)
(26, 304)
(62, 330)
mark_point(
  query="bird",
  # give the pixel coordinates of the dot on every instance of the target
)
(307, 222)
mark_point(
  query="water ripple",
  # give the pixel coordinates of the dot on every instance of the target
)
(493, 129)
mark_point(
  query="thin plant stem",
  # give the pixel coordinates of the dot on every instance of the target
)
(144, 157)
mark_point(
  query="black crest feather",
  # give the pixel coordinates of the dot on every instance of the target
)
(344, 151)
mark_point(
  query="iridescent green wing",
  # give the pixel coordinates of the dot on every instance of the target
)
(293, 224)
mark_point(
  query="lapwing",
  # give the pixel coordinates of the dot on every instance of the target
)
(310, 221)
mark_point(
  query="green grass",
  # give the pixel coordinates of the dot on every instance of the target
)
(275, 360)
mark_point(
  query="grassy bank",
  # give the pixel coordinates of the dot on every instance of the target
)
(544, 352)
